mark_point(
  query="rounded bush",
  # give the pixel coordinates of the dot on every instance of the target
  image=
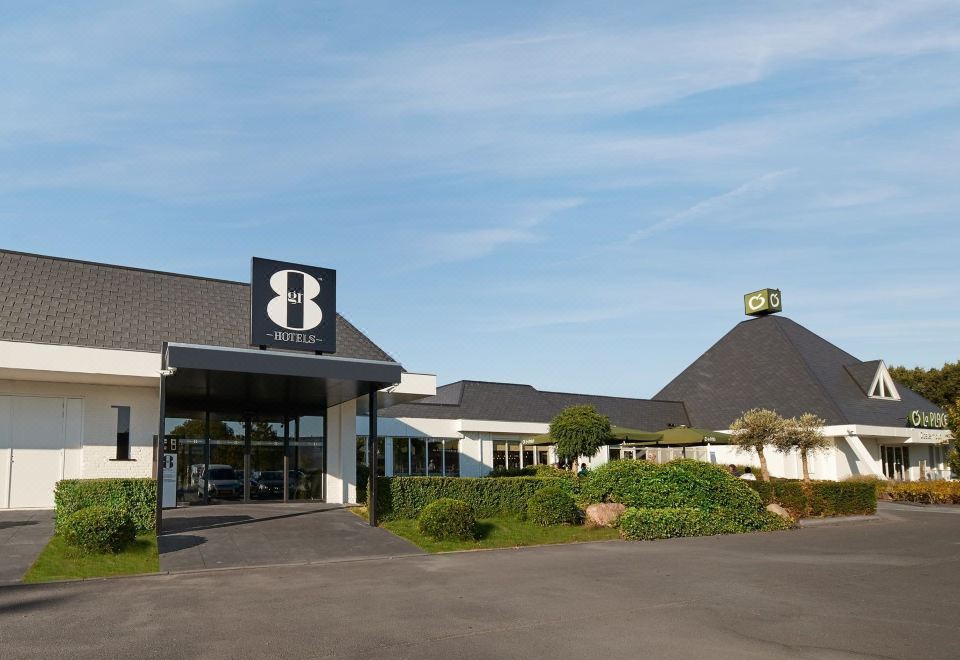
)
(552, 506)
(633, 483)
(99, 529)
(447, 518)
(672, 522)
(681, 483)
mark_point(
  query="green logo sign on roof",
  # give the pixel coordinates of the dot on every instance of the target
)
(764, 301)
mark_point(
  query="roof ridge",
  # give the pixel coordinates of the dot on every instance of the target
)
(102, 264)
(810, 372)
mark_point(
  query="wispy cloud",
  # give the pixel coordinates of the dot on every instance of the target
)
(477, 242)
(705, 208)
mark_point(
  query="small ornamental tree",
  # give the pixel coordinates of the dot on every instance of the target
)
(579, 431)
(805, 435)
(755, 429)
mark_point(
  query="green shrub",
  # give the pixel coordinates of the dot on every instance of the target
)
(98, 529)
(406, 497)
(447, 518)
(137, 497)
(680, 483)
(671, 522)
(626, 482)
(552, 471)
(825, 498)
(926, 492)
(528, 471)
(552, 505)
(363, 482)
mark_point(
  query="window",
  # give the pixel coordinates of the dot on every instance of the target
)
(451, 458)
(882, 386)
(362, 453)
(401, 456)
(432, 457)
(514, 455)
(418, 463)
(123, 433)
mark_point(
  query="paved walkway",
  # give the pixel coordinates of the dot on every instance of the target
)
(23, 534)
(233, 535)
(885, 589)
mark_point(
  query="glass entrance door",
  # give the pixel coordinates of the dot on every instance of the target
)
(237, 458)
(896, 461)
(266, 459)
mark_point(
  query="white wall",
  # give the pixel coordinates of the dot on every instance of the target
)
(341, 444)
(99, 436)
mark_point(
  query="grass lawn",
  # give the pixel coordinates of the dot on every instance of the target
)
(58, 561)
(499, 533)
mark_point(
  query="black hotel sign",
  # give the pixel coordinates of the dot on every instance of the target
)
(293, 306)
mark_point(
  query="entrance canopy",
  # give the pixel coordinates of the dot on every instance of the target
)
(250, 380)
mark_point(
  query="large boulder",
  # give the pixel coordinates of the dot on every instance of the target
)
(604, 515)
(773, 507)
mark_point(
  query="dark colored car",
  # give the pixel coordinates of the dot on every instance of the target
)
(223, 483)
(268, 484)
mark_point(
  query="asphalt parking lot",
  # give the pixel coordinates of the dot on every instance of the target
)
(885, 588)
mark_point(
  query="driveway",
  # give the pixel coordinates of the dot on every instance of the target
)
(885, 588)
(23, 534)
(234, 535)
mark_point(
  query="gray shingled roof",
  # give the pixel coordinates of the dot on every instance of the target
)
(49, 300)
(773, 362)
(470, 399)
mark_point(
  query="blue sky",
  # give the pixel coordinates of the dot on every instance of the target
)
(567, 197)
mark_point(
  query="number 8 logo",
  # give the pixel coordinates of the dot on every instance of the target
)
(278, 307)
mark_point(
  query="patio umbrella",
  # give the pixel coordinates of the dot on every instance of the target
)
(616, 433)
(543, 439)
(680, 436)
(633, 435)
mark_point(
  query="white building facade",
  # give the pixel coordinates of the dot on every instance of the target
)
(107, 371)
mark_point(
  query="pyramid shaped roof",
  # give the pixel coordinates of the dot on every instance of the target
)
(773, 362)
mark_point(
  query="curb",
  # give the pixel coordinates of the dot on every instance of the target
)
(836, 520)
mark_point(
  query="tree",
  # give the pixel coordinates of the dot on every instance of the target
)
(754, 430)
(194, 428)
(941, 386)
(805, 435)
(579, 431)
(953, 417)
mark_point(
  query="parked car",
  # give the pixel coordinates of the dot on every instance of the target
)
(222, 483)
(269, 483)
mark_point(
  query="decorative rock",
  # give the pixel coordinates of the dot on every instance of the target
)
(773, 507)
(604, 515)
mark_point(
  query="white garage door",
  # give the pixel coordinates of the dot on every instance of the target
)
(35, 436)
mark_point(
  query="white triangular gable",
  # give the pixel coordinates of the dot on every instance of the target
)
(882, 386)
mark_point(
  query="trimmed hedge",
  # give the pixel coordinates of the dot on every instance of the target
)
(98, 529)
(448, 519)
(682, 483)
(552, 505)
(406, 497)
(136, 497)
(926, 492)
(829, 498)
(529, 471)
(671, 522)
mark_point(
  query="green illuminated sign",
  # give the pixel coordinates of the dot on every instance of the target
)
(922, 419)
(764, 301)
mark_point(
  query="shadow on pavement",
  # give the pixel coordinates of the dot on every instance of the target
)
(16, 523)
(167, 544)
(199, 523)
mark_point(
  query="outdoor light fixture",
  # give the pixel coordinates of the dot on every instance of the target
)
(169, 371)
